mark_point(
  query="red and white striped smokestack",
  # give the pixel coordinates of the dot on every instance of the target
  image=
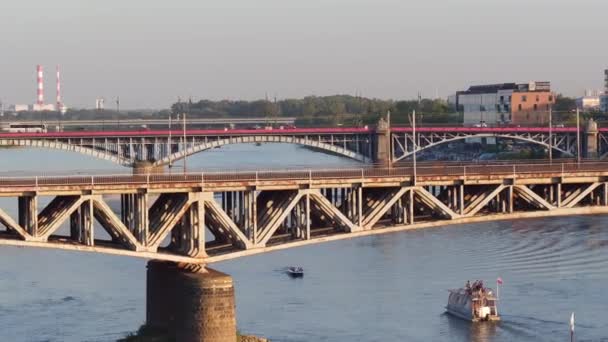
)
(40, 99)
(58, 100)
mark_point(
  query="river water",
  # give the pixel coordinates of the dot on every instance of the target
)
(380, 288)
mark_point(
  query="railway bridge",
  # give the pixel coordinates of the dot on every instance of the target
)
(185, 222)
(380, 144)
(212, 216)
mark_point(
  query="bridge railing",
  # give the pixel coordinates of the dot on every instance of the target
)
(206, 177)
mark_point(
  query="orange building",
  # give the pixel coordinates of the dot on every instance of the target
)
(531, 107)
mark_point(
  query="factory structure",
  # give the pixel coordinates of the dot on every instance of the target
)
(40, 105)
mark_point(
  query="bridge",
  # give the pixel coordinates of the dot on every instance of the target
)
(138, 123)
(212, 216)
(157, 148)
(184, 222)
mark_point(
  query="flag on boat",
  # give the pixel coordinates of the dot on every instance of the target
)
(499, 281)
(572, 322)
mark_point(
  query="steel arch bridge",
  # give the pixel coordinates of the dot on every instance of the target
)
(404, 144)
(161, 148)
(368, 145)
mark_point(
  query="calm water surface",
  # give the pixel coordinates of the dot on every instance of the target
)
(381, 288)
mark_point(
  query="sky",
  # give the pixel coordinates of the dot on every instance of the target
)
(150, 52)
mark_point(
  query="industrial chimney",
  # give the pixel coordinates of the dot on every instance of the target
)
(40, 99)
(58, 100)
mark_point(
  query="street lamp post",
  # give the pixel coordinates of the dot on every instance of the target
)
(185, 144)
(170, 142)
(550, 135)
(415, 142)
(578, 136)
(389, 160)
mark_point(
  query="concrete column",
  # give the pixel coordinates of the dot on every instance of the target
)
(146, 167)
(461, 199)
(382, 144)
(192, 303)
(591, 140)
(410, 203)
(28, 214)
(510, 199)
(87, 220)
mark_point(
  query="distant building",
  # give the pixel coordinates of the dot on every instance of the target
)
(100, 103)
(505, 103)
(42, 107)
(19, 108)
(604, 103)
(604, 98)
(591, 102)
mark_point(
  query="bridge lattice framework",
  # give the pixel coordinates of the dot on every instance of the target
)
(404, 143)
(160, 149)
(365, 145)
(217, 216)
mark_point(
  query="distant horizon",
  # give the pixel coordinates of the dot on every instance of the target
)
(112, 106)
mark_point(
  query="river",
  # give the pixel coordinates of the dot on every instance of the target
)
(379, 288)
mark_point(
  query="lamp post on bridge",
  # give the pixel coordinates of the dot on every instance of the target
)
(389, 160)
(170, 141)
(578, 136)
(415, 142)
(185, 142)
(550, 135)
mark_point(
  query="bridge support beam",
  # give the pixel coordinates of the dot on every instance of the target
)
(190, 302)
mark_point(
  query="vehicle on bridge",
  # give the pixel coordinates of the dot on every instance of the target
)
(17, 127)
(474, 303)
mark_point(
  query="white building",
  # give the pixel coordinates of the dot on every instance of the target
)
(588, 102)
(100, 103)
(486, 103)
(19, 108)
(43, 107)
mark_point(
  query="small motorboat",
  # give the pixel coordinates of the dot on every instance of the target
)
(295, 272)
(474, 303)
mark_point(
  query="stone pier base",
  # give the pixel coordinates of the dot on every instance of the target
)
(192, 303)
(144, 167)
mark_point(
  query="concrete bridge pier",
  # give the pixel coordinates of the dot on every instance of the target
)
(382, 144)
(191, 302)
(146, 167)
(590, 144)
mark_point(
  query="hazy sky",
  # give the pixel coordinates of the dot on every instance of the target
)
(150, 52)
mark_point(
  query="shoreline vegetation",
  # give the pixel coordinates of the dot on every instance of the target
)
(146, 333)
(310, 111)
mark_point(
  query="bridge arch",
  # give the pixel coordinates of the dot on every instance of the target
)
(529, 139)
(110, 151)
(303, 141)
(63, 146)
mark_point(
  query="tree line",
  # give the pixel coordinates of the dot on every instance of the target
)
(331, 110)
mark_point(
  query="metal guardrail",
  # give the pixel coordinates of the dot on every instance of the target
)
(461, 171)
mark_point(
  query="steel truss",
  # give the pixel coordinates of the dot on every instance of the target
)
(161, 151)
(198, 224)
(403, 142)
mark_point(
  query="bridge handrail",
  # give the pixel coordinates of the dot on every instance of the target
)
(204, 177)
